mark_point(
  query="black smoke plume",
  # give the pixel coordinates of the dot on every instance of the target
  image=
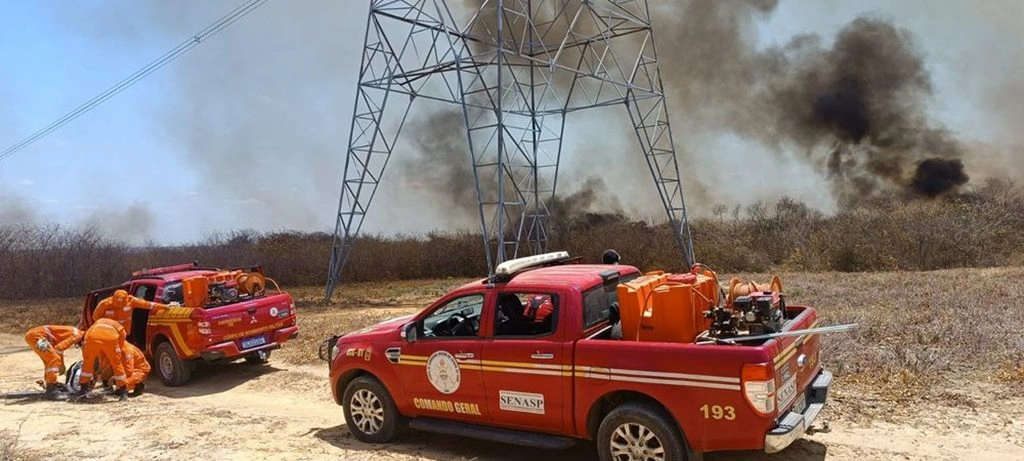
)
(856, 109)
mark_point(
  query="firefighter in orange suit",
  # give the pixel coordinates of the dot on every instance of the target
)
(119, 307)
(49, 342)
(104, 340)
(136, 369)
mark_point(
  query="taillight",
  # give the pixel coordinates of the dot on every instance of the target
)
(759, 387)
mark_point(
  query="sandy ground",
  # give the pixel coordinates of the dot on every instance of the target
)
(284, 411)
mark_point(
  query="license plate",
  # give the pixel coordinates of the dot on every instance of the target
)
(801, 404)
(253, 342)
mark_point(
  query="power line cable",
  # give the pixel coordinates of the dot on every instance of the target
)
(209, 31)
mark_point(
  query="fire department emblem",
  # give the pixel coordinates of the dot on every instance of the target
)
(443, 372)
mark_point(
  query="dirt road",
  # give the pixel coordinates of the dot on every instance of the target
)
(283, 411)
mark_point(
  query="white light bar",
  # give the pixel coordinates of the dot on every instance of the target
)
(515, 265)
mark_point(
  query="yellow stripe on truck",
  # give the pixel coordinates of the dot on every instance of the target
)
(180, 341)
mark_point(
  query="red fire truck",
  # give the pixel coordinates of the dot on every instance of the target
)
(550, 351)
(224, 315)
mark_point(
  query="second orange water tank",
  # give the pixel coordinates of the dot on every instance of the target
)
(634, 298)
(676, 311)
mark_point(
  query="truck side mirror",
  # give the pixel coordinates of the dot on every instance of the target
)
(409, 332)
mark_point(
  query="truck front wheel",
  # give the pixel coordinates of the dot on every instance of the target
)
(172, 370)
(639, 432)
(370, 412)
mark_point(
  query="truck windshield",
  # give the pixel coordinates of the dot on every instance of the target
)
(596, 302)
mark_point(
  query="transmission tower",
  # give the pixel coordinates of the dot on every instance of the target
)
(515, 69)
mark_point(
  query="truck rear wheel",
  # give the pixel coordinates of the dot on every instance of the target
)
(171, 369)
(370, 412)
(639, 432)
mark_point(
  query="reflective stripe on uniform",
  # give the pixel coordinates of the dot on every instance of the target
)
(52, 369)
(120, 378)
(85, 375)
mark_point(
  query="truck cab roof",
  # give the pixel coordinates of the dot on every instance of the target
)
(581, 276)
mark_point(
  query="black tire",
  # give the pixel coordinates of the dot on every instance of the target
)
(169, 367)
(258, 357)
(371, 398)
(630, 423)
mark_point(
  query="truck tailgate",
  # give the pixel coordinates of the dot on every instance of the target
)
(796, 362)
(249, 324)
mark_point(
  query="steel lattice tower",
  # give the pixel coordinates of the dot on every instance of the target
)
(516, 68)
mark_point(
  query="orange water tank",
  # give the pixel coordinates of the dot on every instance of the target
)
(634, 298)
(676, 310)
(707, 285)
(196, 291)
(707, 295)
(670, 318)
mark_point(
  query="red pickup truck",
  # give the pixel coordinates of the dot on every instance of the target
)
(480, 362)
(223, 315)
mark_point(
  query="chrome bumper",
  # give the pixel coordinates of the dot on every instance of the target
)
(794, 425)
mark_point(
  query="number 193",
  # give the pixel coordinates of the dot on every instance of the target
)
(718, 412)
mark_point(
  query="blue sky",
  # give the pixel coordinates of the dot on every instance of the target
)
(140, 148)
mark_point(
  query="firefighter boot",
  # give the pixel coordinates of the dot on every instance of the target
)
(121, 393)
(54, 392)
(139, 389)
(82, 391)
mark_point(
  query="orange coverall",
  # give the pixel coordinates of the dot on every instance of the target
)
(58, 338)
(136, 368)
(119, 307)
(105, 339)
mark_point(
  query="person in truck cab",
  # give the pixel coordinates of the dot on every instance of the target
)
(610, 257)
(105, 339)
(119, 308)
(538, 311)
(49, 342)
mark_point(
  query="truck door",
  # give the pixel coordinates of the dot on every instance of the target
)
(93, 299)
(524, 365)
(140, 317)
(441, 369)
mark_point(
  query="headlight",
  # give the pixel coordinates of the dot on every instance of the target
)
(334, 351)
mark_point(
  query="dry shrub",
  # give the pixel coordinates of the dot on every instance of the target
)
(975, 228)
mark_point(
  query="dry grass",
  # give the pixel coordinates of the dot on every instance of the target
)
(376, 294)
(11, 448)
(19, 316)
